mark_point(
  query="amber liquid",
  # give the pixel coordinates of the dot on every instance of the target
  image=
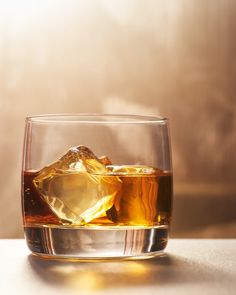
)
(143, 200)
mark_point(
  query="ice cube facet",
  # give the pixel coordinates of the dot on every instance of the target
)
(105, 160)
(76, 186)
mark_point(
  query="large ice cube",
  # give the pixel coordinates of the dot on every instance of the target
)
(77, 187)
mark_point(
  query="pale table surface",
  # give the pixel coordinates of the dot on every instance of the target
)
(189, 267)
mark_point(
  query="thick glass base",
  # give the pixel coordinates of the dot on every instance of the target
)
(96, 243)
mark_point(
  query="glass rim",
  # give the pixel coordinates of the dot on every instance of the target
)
(96, 118)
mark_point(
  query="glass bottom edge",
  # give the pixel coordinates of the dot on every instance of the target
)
(92, 244)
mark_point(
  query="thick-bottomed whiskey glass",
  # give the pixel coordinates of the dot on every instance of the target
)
(96, 186)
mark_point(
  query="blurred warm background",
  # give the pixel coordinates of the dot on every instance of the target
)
(176, 58)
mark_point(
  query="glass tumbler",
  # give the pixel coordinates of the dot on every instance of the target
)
(96, 186)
